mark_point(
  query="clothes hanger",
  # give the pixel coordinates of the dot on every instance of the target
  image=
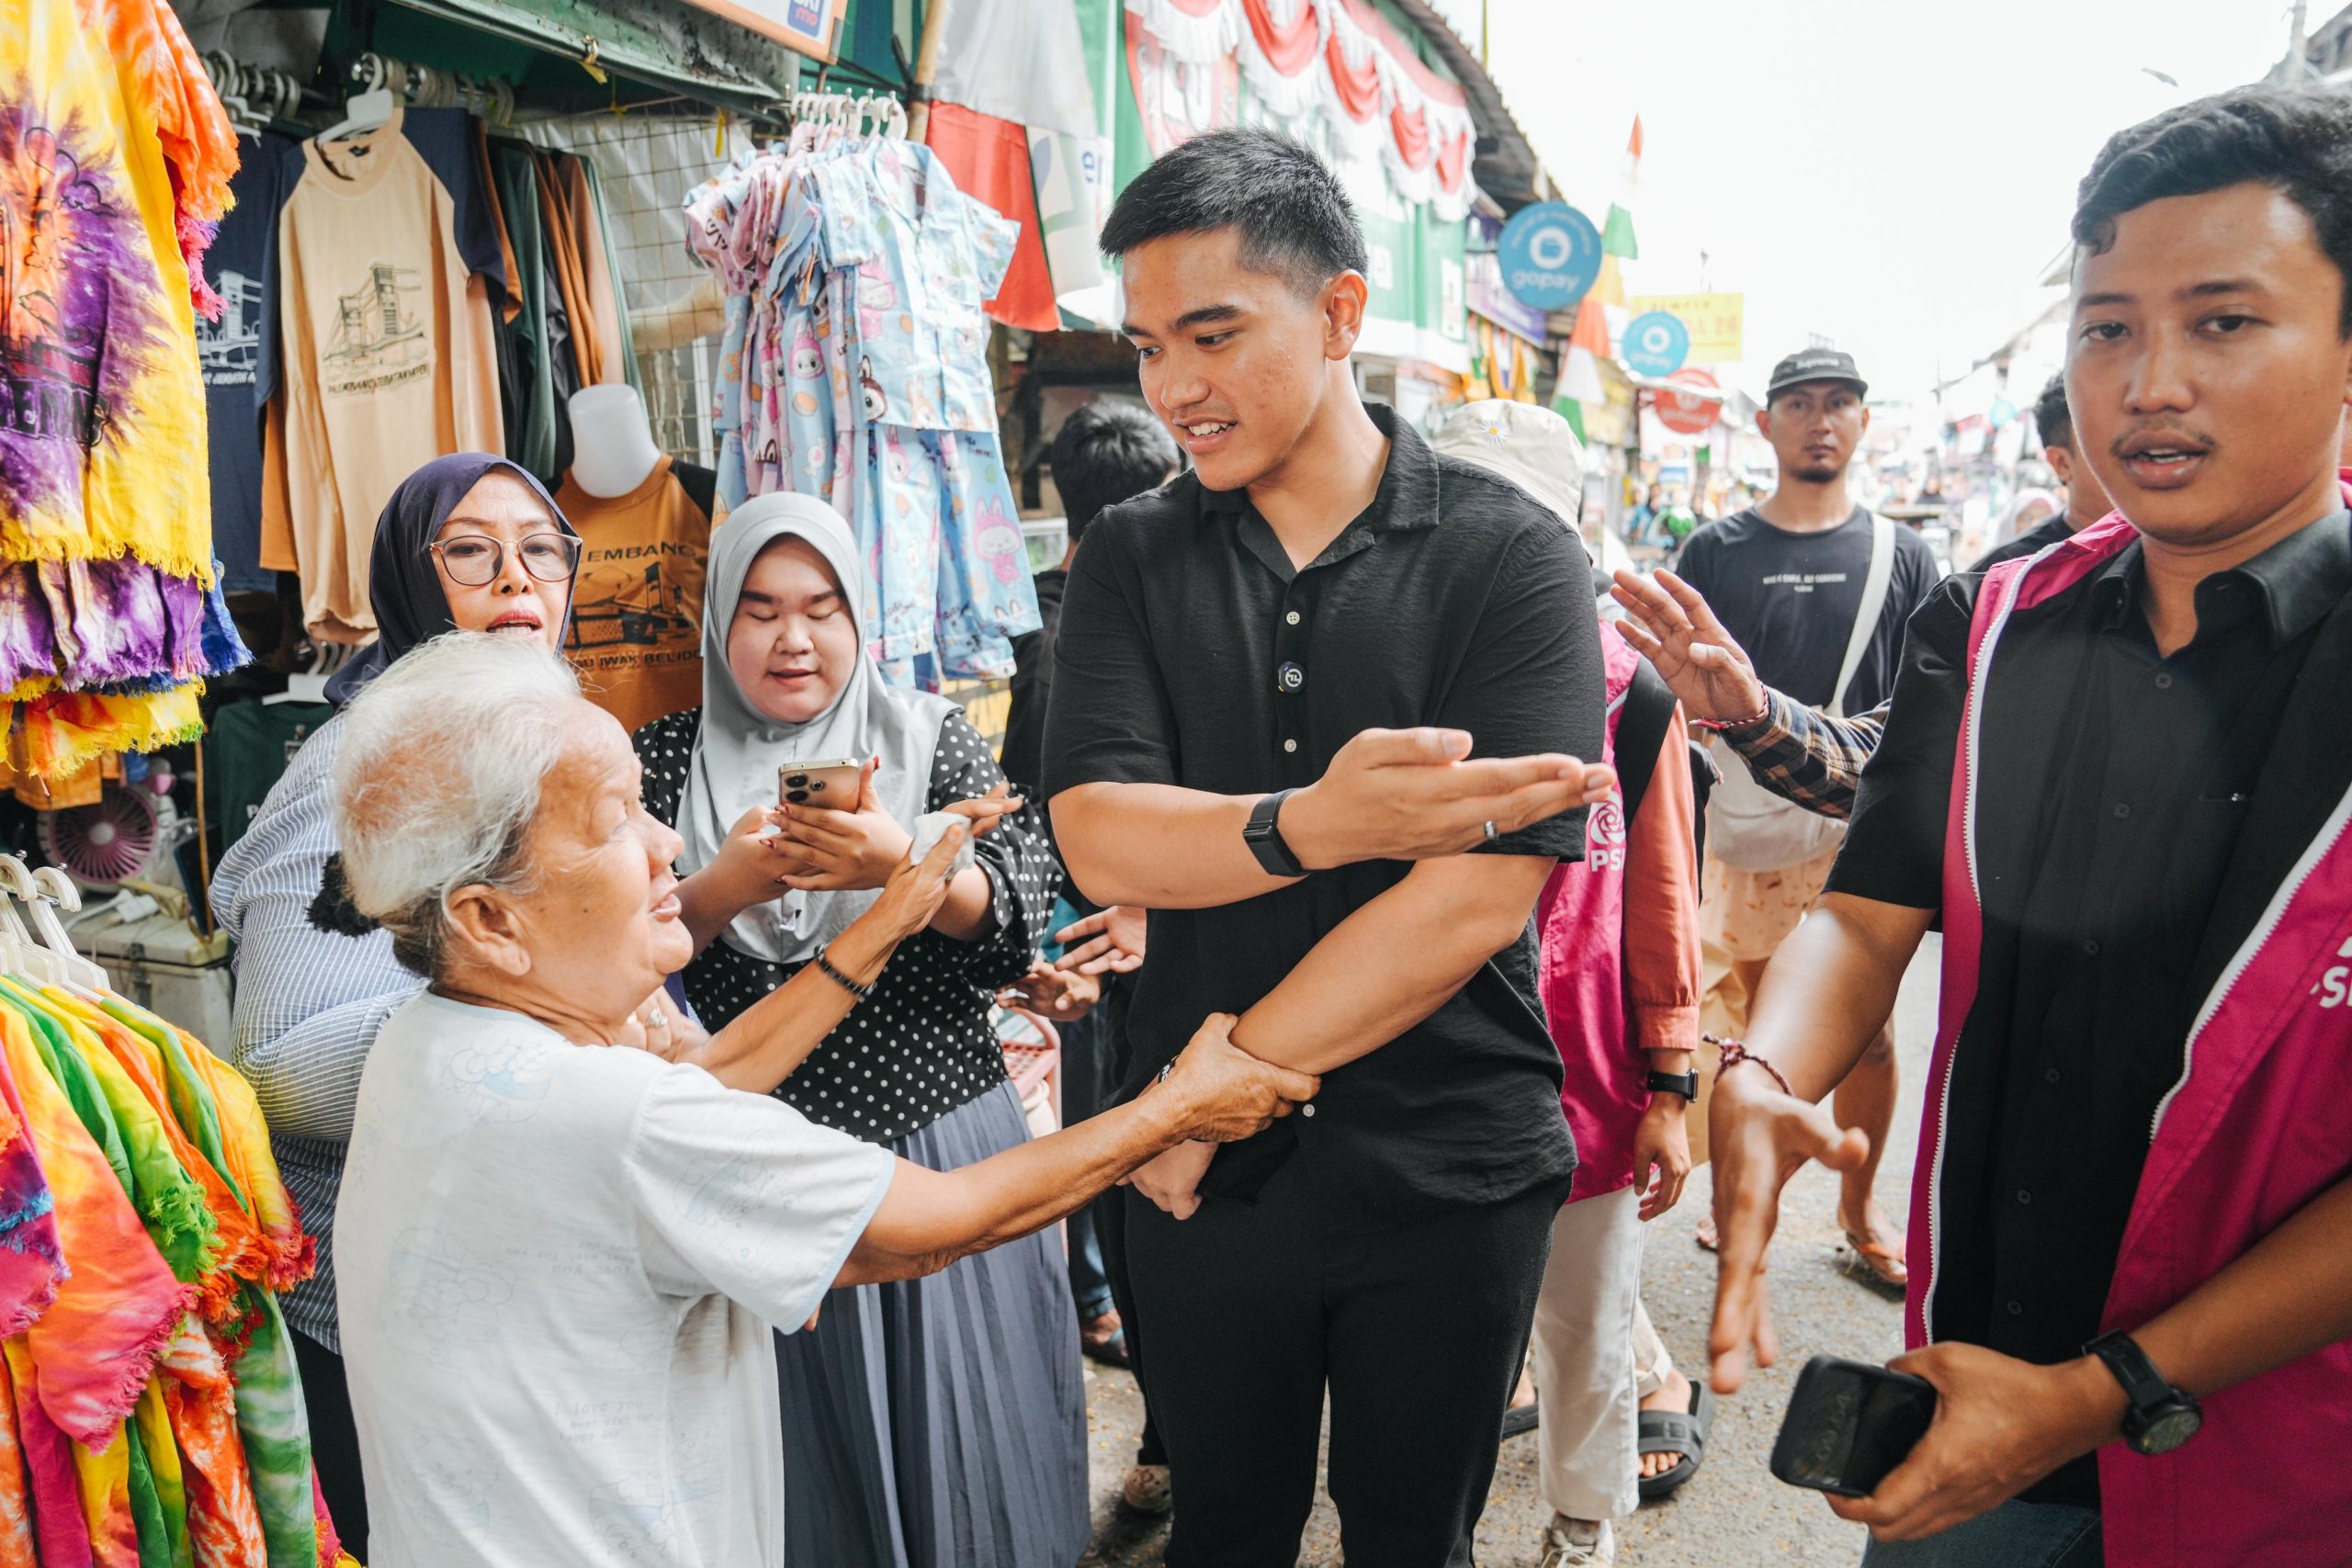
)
(54, 890)
(372, 109)
(19, 953)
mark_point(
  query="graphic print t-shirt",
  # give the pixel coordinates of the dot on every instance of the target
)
(1790, 600)
(389, 360)
(239, 353)
(636, 636)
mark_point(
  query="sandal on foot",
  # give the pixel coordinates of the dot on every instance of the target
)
(1880, 1268)
(1521, 1418)
(1675, 1432)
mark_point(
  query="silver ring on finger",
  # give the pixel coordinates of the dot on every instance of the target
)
(1491, 831)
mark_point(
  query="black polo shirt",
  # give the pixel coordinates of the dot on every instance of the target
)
(2112, 787)
(1192, 653)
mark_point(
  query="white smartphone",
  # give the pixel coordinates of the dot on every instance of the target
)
(831, 784)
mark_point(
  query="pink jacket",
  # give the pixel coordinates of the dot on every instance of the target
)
(2254, 1130)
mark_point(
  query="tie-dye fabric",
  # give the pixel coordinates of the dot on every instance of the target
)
(17, 1542)
(99, 1339)
(117, 626)
(146, 1507)
(97, 341)
(31, 1263)
(291, 1253)
(49, 1464)
(64, 731)
(103, 1476)
(223, 1524)
(154, 1423)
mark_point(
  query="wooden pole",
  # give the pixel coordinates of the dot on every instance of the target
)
(934, 33)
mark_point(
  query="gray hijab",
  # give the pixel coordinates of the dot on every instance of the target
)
(737, 748)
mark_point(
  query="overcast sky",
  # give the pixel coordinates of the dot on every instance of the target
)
(1894, 174)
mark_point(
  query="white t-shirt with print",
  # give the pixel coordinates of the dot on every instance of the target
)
(556, 1269)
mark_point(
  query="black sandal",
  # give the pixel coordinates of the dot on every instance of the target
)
(1673, 1432)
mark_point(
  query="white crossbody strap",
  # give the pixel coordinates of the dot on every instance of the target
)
(1874, 585)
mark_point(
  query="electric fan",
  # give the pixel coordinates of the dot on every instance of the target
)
(126, 836)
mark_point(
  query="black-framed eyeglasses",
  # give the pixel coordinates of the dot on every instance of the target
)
(474, 560)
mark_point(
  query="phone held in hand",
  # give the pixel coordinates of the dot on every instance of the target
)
(830, 785)
(1848, 1425)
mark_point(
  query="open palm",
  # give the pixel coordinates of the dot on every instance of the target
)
(1669, 624)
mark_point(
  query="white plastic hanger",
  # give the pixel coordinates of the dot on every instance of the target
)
(372, 109)
(19, 953)
(54, 890)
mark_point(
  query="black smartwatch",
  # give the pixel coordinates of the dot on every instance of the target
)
(1684, 1084)
(1264, 837)
(2162, 1418)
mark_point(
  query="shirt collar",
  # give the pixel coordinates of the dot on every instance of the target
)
(2292, 585)
(1408, 492)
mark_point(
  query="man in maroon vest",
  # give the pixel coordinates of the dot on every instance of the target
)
(2121, 774)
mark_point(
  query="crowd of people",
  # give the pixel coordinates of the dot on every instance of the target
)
(672, 1202)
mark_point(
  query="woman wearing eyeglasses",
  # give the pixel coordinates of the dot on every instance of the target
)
(467, 543)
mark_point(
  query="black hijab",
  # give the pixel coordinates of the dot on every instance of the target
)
(403, 585)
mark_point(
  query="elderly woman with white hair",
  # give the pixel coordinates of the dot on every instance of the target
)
(559, 1264)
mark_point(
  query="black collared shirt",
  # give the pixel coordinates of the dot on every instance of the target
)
(1192, 652)
(2111, 787)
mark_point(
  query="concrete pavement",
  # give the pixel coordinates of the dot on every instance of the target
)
(1732, 1512)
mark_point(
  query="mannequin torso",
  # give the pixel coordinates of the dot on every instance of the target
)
(612, 443)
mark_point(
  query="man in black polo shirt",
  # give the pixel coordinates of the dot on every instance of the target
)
(2157, 765)
(1294, 687)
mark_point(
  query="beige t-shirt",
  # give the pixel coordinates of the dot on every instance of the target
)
(390, 362)
(636, 635)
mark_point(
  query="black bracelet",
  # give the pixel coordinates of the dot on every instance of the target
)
(825, 965)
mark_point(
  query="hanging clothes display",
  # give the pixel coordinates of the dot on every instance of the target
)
(154, 1415)
(635, 634)
(240, 378)
(388, 355)
(115, 167)
(854, 369)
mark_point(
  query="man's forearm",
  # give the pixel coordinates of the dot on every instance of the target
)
(1830, 988)
(1394, 962)
(1159, 846)
(2289, 1295)
(931, 1218)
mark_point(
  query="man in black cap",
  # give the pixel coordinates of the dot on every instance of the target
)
(1818, 590)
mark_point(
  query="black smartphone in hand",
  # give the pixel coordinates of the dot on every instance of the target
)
(1848, 1425)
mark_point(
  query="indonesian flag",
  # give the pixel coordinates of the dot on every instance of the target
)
(1617, 234)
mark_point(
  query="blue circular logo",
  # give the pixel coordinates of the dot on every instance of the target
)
(1550, 254)
(1657, 343)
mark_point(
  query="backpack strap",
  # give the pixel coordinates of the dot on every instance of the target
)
(1874, 587)
(1641, 732)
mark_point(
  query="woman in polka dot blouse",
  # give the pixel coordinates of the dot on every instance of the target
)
(937, 1420)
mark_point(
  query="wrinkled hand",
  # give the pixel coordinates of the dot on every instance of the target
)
(1110, 943)
(1669, 624)
(844, 850)
(990, 809)
(1062, 996)
(915, 889)
(1757, 1138)
(2001, 1425)
(1226, 1093)
(1661, 1143)
(1412, 795)
(659, 1027)
(753, 863)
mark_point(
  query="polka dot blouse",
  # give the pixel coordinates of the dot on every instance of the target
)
(923, 1044)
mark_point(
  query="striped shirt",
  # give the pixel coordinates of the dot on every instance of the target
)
(309, 1003)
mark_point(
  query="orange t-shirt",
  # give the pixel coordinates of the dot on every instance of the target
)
(636, 636)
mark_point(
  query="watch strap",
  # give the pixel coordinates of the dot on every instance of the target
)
(1264, 836)
(1685, 1084)
(2143, 1385)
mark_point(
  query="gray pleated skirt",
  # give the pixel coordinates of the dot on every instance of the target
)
(941, 1422)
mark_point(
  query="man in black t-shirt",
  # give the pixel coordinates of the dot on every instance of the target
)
(1787, 578)
(2086, 501)
(1316, 704)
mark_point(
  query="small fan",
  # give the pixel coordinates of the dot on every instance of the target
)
(114, 840)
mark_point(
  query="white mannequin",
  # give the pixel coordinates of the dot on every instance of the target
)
(612, 442)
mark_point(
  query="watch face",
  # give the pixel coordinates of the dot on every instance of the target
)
(2166, 1430)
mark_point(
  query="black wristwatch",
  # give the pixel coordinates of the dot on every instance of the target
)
(2162, 1418)
(1264, 837)
(1684, 1084)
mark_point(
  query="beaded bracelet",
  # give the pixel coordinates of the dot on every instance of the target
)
(825, 966)
(1736, 1052)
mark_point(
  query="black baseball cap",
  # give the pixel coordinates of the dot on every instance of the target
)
(1815, 365)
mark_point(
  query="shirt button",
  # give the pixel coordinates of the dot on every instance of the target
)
(1291, 677)
(1292, 619)
(1290, 745)
(2163, 682)
(2122, 812)
(1307, 1110)
(2016, 1309)
(2050, 1074)
(2024, 1196)
(2091, 947)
